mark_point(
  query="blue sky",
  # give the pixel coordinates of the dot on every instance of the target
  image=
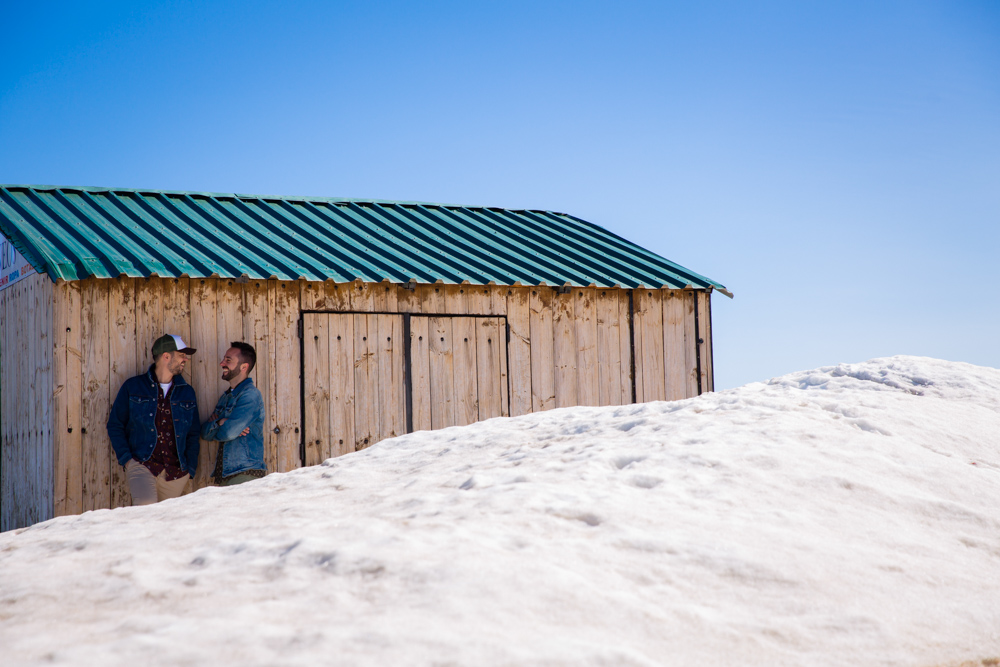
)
(836, 165)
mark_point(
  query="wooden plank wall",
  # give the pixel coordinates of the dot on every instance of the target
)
(666, 347)
(566, 347)
(26, 403)
(103, 332)
(354, 392)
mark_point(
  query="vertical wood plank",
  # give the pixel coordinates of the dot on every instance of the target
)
(176, 300)
(8, 357)
(66, 394)
(420, 373)
(431, 299)
(308, 296)
(74, 387)
(26, 455)
(564, 350)
(366, 381)
(588, 374)
(690, 346)
(705, 333)
(96, 402)
(638, 328)
(19, 451)
(148, 320)
(519, 350)
(363, 296)
(39, 388)
(391, 390)
(229, 308)
(46, 304)
(31, 488)
(205, 372)
(498, 299)
(456, 299)
(653, 372)
(466, 374)
(286, 380)
(340, 383)
(625, 345)
(442, 372)
(272, 423)
(123, 361)
(229, 314)
(490, 374)
(383, 297)
(31, 496)
(255, 332)
(608, 347)
(674, 356)
(318, 347)
(7, 521)
(478, 299)
(543, 393)
(501, 357)
(407, 300)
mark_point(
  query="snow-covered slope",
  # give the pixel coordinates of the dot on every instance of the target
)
(844, 516)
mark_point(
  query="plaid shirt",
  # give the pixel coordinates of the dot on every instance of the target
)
(164, 458)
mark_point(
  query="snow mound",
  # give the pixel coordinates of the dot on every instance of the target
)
(845, 515)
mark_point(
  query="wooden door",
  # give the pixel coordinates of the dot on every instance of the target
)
(354, 382)
(358, 380)
(458, 370)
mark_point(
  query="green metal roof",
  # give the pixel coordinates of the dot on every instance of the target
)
(76, 232)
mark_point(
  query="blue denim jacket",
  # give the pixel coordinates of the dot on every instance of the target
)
(132, 422)
(241, 407)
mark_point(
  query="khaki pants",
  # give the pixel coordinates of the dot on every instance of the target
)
(147, 489)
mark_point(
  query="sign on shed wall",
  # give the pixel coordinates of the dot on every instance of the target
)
(13, 265)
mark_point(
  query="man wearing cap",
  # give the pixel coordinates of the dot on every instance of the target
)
(153, 425)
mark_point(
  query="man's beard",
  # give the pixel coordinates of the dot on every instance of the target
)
(230, 374)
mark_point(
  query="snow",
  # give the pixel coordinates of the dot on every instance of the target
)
(847, 515)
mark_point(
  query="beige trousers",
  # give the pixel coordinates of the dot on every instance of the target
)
(147, 489)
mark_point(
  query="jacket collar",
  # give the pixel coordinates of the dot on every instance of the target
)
(151, 374)
(242, 386)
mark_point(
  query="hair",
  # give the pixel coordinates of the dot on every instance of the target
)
(248, 355)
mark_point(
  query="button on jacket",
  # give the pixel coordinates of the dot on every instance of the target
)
(132, 422)
(241, 406)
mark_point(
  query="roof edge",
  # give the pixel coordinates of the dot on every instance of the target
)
(291, 198)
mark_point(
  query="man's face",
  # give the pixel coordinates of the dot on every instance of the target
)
(176, 362)
(231, 364)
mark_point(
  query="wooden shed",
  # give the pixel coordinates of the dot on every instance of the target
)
(371, 319)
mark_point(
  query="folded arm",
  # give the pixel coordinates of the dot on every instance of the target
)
(236, 424)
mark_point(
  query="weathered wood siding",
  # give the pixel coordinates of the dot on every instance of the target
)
(103, 333)
(565, 347)
(26, 403)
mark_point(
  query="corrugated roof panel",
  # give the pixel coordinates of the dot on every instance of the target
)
(76, 232)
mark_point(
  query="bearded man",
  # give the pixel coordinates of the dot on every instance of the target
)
(153, 425)
(238, 420)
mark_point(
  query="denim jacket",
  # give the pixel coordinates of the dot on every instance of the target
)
(132, 422)
(241, 407)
